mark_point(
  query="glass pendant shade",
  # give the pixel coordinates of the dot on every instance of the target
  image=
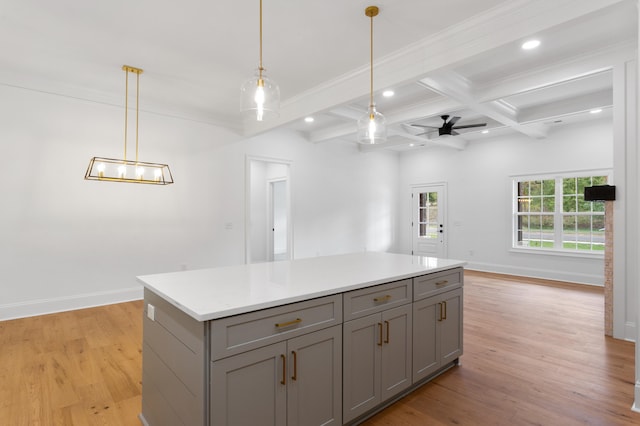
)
(372, 128)
(260, 98)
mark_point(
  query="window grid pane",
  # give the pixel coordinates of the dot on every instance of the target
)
(582, 221)
(428, 215)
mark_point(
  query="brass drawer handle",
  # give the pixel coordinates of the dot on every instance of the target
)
(288, 323)
(384, 298)
(440, 306)
(387, 324)
(442, 282)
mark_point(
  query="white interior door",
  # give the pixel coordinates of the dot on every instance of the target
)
(428, 230)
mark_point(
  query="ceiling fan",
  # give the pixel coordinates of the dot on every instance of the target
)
(448, 128)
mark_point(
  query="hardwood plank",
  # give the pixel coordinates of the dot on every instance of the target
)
(535, 353)
(72, 368)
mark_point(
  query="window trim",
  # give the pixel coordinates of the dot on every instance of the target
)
(557, 214)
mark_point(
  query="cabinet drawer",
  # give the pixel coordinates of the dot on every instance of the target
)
(240, 333)
(359, 303)
(428, 285)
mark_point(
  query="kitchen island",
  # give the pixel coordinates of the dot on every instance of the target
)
(325, 340)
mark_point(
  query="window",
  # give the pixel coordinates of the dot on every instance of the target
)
(550, 213)
(428, 220)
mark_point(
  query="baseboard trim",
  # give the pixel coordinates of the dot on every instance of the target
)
(69, 303)
(630, 331)
(571, 277)
(636, 404)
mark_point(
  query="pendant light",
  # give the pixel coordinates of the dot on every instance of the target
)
(259, 95)
(116, 170)
(372, 128)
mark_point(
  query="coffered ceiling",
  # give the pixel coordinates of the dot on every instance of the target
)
(459, 57)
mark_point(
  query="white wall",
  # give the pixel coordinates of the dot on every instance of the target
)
(479, 195)
(342, 200)
(67, 243)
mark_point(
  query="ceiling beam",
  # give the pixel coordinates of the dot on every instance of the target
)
(565, 107)
(496, 27)
(577, 67)
(413, 112)
(457, 87)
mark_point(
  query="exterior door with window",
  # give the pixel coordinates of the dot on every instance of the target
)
(428, 231)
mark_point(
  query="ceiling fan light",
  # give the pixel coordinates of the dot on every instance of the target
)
(372, 127)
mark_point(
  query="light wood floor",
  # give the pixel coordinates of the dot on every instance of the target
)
(535, 354)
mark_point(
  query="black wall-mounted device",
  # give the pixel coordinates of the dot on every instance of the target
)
(600, 193)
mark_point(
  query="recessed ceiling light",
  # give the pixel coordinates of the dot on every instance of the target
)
(530, 44)
(484, 132)
(388, 93)
(596, 111)
(412, 144)
(309, 120)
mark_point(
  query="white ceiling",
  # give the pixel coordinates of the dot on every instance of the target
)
(459, 57)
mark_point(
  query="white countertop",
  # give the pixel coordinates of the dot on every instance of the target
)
(207, 294)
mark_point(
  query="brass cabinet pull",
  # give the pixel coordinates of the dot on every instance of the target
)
(442, 282)
(380, 330)
(284, 370)
(295, 365)
(288, 323)
(445, 310)
(440, 317)
(387, 324)
(384, 298)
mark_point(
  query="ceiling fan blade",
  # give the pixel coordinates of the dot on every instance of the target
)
(426, 127)
(423, 133)
(468, 126)
(454, 133)
(453, 121)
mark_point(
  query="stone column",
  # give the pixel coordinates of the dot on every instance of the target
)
(608, 268)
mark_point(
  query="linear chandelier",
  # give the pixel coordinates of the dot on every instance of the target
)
(123, 170)
(372, 128)
(259, 95)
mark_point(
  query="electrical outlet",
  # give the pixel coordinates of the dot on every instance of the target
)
(151, 312)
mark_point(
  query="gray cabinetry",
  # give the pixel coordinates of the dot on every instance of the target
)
(437, 332)
(377, 349)
(173, 357)
(278, 366)
(296, 382)
(334, 359)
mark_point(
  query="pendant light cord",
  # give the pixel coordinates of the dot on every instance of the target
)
(126, 109)
(260, 68)
(371, 79)
(137, 110)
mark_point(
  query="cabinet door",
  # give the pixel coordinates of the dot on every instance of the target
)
(314, 389)
(451, 327)
(426, 351)
(396, 351)
(247, 389)
(361, 365)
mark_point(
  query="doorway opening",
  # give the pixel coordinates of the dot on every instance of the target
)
(268, 221)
